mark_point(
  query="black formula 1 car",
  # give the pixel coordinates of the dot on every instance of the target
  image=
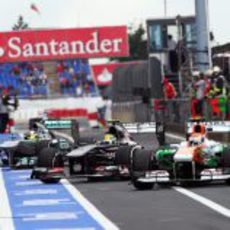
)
(197, 159)
(110, 156)
(86, 157)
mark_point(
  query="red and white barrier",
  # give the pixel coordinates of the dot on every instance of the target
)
(74, 113)
(60, 108)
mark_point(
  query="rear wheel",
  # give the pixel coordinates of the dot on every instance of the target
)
(226, 158)
(25, 149)
(225, 162)
(41, 145)
(228, 181)
(48, 158)
(142, 186)
(50, 180)
(122, 156)
(141, 162)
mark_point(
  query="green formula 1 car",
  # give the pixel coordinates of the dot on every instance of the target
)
(197, 158)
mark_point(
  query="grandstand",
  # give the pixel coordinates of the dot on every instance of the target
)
(75, 78)
(71, 77)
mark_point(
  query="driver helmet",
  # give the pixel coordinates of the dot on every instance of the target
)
(31, 135)
(195, 140)
(109, 139)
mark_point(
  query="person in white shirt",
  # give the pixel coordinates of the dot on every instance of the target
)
(171, 43)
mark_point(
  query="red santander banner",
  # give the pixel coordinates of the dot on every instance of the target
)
(44, 45)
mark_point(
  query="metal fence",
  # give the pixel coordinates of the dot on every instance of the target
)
(176, 111)
(131, 112)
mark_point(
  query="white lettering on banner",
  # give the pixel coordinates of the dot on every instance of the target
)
(28, 50)
(46, 202)
(64, 48)
(77, 47)
(51, 216)
(14, 47)
(42, 49)
(36, 192)
(93, 46)
(53, 46)
(2, 51)
(116, 44)
(106, 46)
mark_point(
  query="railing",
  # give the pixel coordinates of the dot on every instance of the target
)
(172, 111)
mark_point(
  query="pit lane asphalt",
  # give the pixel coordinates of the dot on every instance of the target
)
(162, 208)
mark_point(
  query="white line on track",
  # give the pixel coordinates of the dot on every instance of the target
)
(89, 207)
(6, 219)
(208, 203)
(175, 136)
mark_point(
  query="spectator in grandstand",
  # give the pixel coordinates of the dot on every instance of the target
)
(60, 67)
(86, 89)
(63, 85)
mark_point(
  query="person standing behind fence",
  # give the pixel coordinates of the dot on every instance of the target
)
(170, 94)
(173, 57)
(221, 91)
(220, 81)
(169, 90)
(199, 86)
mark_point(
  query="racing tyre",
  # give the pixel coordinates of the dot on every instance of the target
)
(47, 158)
(122, 156)
(226, 158)
(25, 149)
(142, 160)
(50, 180)
(41, 145)
(142, 186)
(226, 162)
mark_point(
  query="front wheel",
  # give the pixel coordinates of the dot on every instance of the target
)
(142, 186)
(50, 180)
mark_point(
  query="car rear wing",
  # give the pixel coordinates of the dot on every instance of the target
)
(210, 126)
(58, 124)
(157, 128)
(52, 125)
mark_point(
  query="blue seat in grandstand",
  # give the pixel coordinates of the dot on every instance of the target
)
(77, 68)
(86, 68)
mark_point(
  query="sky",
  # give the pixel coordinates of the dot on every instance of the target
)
(91, 13)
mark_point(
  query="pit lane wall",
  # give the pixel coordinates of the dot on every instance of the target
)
(63, 106)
